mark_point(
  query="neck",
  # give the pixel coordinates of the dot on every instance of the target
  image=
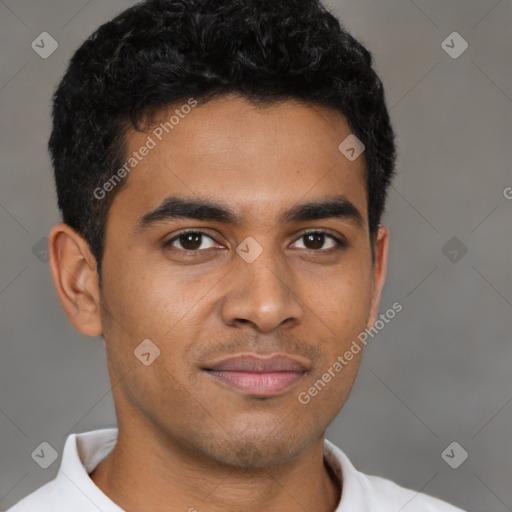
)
(144, 473)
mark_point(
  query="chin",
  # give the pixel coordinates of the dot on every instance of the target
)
(249, 452)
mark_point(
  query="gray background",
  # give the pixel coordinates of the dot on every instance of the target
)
(439, 372)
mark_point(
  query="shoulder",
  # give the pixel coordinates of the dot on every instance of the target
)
(44, 499)
(368, 492)
(72, 488)
(397, 497)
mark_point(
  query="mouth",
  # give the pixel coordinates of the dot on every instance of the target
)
(258, 376)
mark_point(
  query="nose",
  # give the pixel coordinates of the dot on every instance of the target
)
(261, 294)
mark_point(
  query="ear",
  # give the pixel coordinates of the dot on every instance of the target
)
(380, 264)
(74, 274)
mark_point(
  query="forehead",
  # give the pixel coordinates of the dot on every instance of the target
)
(260, 160)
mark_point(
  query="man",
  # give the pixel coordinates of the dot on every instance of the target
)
(221, 167)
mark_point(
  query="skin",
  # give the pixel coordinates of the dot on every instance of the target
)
(187, 442)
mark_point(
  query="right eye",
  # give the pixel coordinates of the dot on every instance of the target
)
(191, 241)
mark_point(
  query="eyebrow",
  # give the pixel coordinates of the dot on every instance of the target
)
(336, 207)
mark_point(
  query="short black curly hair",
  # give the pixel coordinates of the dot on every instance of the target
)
(160, 52)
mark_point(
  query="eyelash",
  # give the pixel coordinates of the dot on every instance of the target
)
(340, 244)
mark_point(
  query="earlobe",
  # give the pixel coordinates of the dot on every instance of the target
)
(73, 269)
(379, 272)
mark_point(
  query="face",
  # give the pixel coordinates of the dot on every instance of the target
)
(255, 273)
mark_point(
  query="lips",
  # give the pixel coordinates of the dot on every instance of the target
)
(258, 364)
(257, 375)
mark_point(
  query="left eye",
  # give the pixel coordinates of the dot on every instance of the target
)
(316, 239)
(194, 241)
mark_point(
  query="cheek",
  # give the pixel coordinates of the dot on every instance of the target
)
(339, 314)
(341, 300)
(171, 311)
(327, 390)
(151, 299)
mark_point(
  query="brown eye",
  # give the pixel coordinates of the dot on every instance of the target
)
(190, 241)
(315, 240)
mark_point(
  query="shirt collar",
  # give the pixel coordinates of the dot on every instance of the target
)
(83, 452)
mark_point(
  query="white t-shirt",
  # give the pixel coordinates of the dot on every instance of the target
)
(73, 490)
